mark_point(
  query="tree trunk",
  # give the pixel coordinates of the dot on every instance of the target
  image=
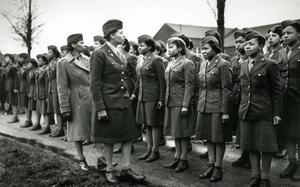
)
(29, 29)
(221, 20)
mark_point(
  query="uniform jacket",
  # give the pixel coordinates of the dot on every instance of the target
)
(12, 82)
(41, 83)
(73, 86)
(31, 90)
(3, 78)
(215, 89)
(130, 72)
(180, 79)
(74, 89)
(292, 93)
(236, 68)
(279, 56)
(107, 77)
(23, 73)
(52, 76)
(261, 95)
(151, 85)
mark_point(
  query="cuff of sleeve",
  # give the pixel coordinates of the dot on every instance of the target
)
(100, 106)
(65, 109)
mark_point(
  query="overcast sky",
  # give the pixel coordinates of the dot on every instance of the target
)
(64, 17)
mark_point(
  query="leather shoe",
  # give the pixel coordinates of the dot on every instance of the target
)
(83, 165)
(153, 156)
(36, 127)
(182, 166)
(254, 182)
(208, 172)
(289, 171)
(173, 164)
(265, 183)
(217, 174)
(128, 174)
(26, 124)
(145, 155)
(58, 133)
(45, 131)
(280, 154)
(101, 163)
(110, 177)
(14, 120)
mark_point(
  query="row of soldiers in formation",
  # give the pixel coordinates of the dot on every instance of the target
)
(178, 94)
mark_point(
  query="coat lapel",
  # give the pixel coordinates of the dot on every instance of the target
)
(83, 63)
(147, 61)
(257, 65)
(109, 52)
(213, 63)
(176, 63)
(296, 50)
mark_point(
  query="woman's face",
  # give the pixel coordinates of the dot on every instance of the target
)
(273, 39)
(252, 47)
(41, 62)
(289, 35)
(143, 48)
(118, 37)
(240, 43)
(208, 52)
(7, 59)
(173, 50)
(29, 66)
(79, 46)
(50, 53)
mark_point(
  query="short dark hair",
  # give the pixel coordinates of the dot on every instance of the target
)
(55, 51)
(43, 57)
(214, 47)
(10, 56)
(179, 45)
(126, 45)
(108, 37)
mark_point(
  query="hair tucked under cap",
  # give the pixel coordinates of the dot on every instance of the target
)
(74, 38)
(111, 25)
(239, 33)
(213, 41)
(292, 23)
(250, 34)
(276, 29)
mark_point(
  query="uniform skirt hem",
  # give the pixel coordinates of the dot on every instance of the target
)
(80, 138)
(114, 140)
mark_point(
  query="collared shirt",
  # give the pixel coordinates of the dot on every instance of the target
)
(113, 48)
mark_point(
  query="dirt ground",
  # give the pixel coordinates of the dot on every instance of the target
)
(24, 165)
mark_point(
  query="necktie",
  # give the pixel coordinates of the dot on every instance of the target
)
(250, 65)
(289, 53)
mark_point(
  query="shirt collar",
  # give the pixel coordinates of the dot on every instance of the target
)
(112, 47)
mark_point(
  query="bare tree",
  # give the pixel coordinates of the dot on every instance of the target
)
(219, 14)
(25, 25)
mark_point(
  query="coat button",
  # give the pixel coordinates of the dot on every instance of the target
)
(122, 87)
(122, 80)
(249, 102)
(249, 86)
(122, 73)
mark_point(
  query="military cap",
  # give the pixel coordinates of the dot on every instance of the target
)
(111, 25)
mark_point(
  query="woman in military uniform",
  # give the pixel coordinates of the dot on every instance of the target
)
(113, 117)
(179, 113)
(74, 94)
(260, 108)
(290, 128)
(2, 85)
(215, 89)
(150, 90)
(54, 56)
(12, 86)
(41, 95)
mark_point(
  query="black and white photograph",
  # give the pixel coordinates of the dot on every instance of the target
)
(137, 93)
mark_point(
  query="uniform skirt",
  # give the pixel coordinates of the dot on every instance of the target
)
(23, 99)
(31, 104)
(210, 128)
(41, 106)
(258, 136)
(12, 98)
(290, 127)
(177, 125)
(120, 128)
(149, 115)
(53, 104)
